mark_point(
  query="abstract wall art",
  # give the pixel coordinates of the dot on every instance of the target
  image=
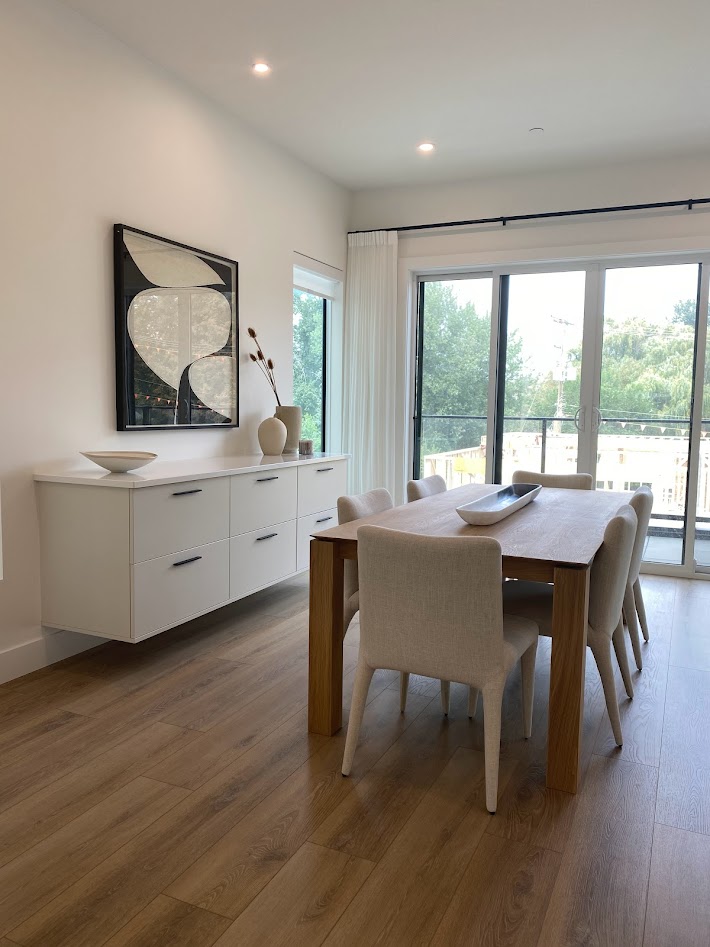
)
(177, 334)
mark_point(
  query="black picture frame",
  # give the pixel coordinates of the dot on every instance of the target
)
(159, 323)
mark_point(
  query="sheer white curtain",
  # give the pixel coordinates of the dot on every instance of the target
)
(370, 363)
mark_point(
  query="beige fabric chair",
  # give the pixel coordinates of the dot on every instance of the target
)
(433, 605)
(418, 489)
(578, 481)
(607, 586)
(642, 503)
(354, 508)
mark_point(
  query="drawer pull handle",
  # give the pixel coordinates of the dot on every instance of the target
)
(324, 519)
(324, 469)
(186, 493)
(184, 562)
(265, 479)
(268, 536)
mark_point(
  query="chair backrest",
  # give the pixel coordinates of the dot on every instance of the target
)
(610, 571)
(354, 508)
(430, 604)
(642, 504)
(577, 481)
(418, 489)
(363, 504)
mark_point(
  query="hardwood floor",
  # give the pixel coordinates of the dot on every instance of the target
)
(170, 794)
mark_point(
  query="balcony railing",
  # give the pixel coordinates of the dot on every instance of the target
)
(545, 422)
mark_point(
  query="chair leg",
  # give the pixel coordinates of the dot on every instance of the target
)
(601, 649)
(527, 676)
(403, 687)
(631, 621)
(492, 703)
(445, 697)
(363, 677)
(619, 642)
(472, 702)
(641, 608)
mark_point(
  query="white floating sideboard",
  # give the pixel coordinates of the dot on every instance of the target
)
(127, 556)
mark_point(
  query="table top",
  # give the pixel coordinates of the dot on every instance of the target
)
(564, 527)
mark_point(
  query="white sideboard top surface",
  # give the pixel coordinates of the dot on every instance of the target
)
(177, 470)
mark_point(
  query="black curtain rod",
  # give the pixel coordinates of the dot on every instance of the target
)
(510, 218)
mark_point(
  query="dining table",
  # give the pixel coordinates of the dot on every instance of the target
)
(553, 539)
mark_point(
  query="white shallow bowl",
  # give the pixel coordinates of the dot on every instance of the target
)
(120, 461)
(497, 505)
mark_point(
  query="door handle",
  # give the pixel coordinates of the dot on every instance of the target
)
(265, 479)
(580, 416)
(187, 493)
(323, 469)
(597, 417)
(260, 539)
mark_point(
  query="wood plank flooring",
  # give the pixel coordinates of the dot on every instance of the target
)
(169, 795)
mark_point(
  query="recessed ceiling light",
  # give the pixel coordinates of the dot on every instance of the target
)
(261, 68)
(426, 147)
(536, 130)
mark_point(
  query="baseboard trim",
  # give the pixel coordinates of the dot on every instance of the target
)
(41, 652)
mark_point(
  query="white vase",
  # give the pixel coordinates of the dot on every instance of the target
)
(291, 415)
(272, 436)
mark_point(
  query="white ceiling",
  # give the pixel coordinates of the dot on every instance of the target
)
(356, 85)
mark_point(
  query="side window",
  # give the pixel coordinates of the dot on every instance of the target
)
(310, 317)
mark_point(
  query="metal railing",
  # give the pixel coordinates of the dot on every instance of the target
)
(546, 420)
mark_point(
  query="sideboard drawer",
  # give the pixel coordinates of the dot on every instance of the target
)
(307, 526)
(262, 498)
(179, 516)
(259, 558)
(320, 485)
(172, 589)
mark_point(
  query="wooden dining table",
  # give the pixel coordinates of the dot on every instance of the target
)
(553, 539)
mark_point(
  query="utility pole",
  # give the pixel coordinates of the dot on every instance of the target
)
(561, 373)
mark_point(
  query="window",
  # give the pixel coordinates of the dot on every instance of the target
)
(453, 350)
(310, 316)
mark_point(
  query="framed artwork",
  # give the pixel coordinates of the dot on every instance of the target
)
(177, 334)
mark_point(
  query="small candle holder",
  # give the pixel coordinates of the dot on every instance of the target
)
(305, 447)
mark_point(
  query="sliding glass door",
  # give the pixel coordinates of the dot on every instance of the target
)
(453, 377)
(646, 394)
(541, 366)
(599, 368)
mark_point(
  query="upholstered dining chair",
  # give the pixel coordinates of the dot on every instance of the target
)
(575, 481)
(427, 487)
(418, 490)
(354, 508)
(433, 605)
(349, 509)
(642, 503)
(607, 587)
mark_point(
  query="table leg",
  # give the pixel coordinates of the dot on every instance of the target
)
(325, 639)
(569, 650)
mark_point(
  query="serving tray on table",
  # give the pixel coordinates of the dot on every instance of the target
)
(496, 506)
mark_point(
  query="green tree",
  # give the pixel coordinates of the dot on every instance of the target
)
(686, 312)
(455, 371)
(308, 363)
(647, 370)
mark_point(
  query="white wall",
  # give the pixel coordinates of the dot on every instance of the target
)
(94, 135)
(630, 183)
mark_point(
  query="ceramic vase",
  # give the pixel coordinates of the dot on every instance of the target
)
(272, 437)
(291, 416)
